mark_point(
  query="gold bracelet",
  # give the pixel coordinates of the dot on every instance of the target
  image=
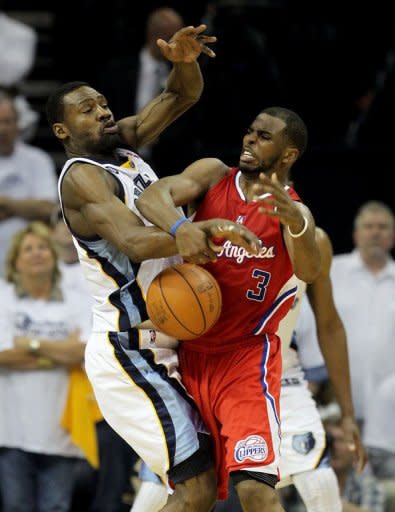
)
(302, 232)
(45, 362)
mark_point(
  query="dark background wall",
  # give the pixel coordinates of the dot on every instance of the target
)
(335, 69)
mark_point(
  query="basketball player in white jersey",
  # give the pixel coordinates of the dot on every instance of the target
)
(137, 387)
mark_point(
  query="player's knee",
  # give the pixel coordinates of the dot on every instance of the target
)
(198, 494)
(255, 494)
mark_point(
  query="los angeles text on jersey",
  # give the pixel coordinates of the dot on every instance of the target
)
(239, 253)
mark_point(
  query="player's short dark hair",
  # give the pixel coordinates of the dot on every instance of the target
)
(295, 131)
(55, 103)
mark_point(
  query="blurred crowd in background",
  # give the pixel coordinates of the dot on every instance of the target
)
(336, 70)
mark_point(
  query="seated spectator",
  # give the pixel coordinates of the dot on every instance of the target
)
(27, 179)
(40, 344)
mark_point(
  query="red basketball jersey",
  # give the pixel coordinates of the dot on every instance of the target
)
(257, 291)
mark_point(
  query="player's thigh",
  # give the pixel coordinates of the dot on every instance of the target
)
(142, 402)
(303, 440)
(248, 410)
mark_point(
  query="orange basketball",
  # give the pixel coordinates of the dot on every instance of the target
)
(184, 301)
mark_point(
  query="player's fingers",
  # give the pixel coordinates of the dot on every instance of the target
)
(198, 30)
(208, 51)
(252, 242)
(162, 44)
(203, 38)
(213, 246)
(267, 211)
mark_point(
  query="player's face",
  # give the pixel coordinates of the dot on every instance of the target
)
(89, 123)
(35, 257)
(263, 145)
(374, 233)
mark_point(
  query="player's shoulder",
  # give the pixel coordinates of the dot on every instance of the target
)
(81, 171)
(292, 193)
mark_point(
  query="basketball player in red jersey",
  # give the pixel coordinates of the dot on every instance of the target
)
(233, 371)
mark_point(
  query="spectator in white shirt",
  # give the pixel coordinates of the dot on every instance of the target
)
(18, 46)
(27, 179)
(364, 292)
(40, 341)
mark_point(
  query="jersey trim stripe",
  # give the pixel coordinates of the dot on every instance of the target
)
(159, 404)
(131, 339)
(266, 392)
(289, 294)
(128, 298)
(161, 369)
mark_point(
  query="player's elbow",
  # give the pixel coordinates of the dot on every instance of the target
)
(133, 249)
(308, 271)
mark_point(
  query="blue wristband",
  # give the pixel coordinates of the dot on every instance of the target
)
(177, 224)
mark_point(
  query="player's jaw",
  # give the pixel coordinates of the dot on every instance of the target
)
(104, 141)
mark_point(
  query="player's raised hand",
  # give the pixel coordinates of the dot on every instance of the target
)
(187, 44)
(276, 202)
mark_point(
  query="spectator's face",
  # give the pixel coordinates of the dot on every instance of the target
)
(374, 233)
(341, 457)
(8, 128)
(35, 257)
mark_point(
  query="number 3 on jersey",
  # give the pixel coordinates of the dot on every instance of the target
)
(260, 288)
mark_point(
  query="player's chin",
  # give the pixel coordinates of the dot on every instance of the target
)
(249, 168)
(110, 141)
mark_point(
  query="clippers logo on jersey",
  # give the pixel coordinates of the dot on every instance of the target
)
(253, 448)
(240, 254)
(303, 443)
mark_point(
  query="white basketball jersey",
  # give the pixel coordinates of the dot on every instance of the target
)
(117, 284)
(286, 329)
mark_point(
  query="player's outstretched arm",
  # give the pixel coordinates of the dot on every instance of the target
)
(333, 344)
(159, 201)
(183, 89)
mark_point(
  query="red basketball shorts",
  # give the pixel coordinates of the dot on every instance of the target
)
(237, 393)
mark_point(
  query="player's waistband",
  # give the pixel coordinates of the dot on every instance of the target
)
(203, 345)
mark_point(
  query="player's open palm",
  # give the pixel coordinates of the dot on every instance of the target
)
(187, 44)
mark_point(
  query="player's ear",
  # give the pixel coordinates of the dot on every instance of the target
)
(290, 156)
(60, 131)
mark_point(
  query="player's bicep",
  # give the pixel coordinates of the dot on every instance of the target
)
(196, 180)
(111, 219)
(87, 191)
(152, 120)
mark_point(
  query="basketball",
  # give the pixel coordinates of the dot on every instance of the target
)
(184, 301)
